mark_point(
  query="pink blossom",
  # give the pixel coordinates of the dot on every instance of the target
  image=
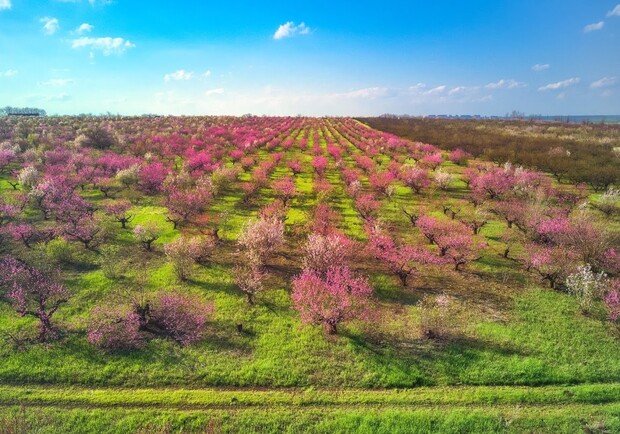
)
(33, 293)
(338, 297)
(414, 178)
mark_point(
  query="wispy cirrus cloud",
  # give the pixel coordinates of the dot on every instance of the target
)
(61, 97)
(56, 82)
(9, 73)
(218, 91)
(50, 25)
(178, 75)
(106, 45)
(540, 67)
(604, 82)
(90, 2)
(615, 12)
(462, 91)
(436, 90)
(368, 93)
(594, 27)
(505, 84)
(5, 5)
(560, 84)
(289, 29)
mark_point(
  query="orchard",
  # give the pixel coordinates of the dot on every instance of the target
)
(290, 251)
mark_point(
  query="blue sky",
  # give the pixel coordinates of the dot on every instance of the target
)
(317, 58)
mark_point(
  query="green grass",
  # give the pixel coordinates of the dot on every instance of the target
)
(237, 398)
(456, 409)
(331, 419)
(520, 357)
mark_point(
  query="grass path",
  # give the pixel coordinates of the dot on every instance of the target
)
(185, 398)
(593, 408)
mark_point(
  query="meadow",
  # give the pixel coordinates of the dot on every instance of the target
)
(258, 274)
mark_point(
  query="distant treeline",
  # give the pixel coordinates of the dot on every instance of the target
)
(578, 153)
(21, 111)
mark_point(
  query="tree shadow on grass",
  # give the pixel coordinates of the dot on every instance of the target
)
(216, 286)
(416, 362)
(399, 294)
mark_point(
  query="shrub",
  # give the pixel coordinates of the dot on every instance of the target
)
(436, 316)
(28, 177)
(128, 176)
(60, 251)
(182, 255)
(180, 317)
(110, 261)
(115, 328)
(612, 302)
(586, 286)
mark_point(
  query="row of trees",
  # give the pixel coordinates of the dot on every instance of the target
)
(547, 229)
(578, 153)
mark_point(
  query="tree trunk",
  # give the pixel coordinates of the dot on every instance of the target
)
(331, 328)
(403, 278)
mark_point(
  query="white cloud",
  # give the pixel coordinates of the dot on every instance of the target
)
(217, 91)
(455, 90)
(417, 87)
(436, 90)
(106, 45)
(84, 28)
(540, 67)
(604, 82)
(505, 84)
(464, 91)
(289, 29)
(49, 98)
(560, 84)
(50, 25)
(181, 74)
(9, 73)
(368, 92)
(5, 4)
(57, 82)
(614, 12)
(594, 26)
(59, 97)
(91, 2)
(207, 73)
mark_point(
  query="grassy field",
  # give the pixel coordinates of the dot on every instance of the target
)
(520, 358)
(594, 408)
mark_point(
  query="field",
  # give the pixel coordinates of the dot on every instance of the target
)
(475, 310)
